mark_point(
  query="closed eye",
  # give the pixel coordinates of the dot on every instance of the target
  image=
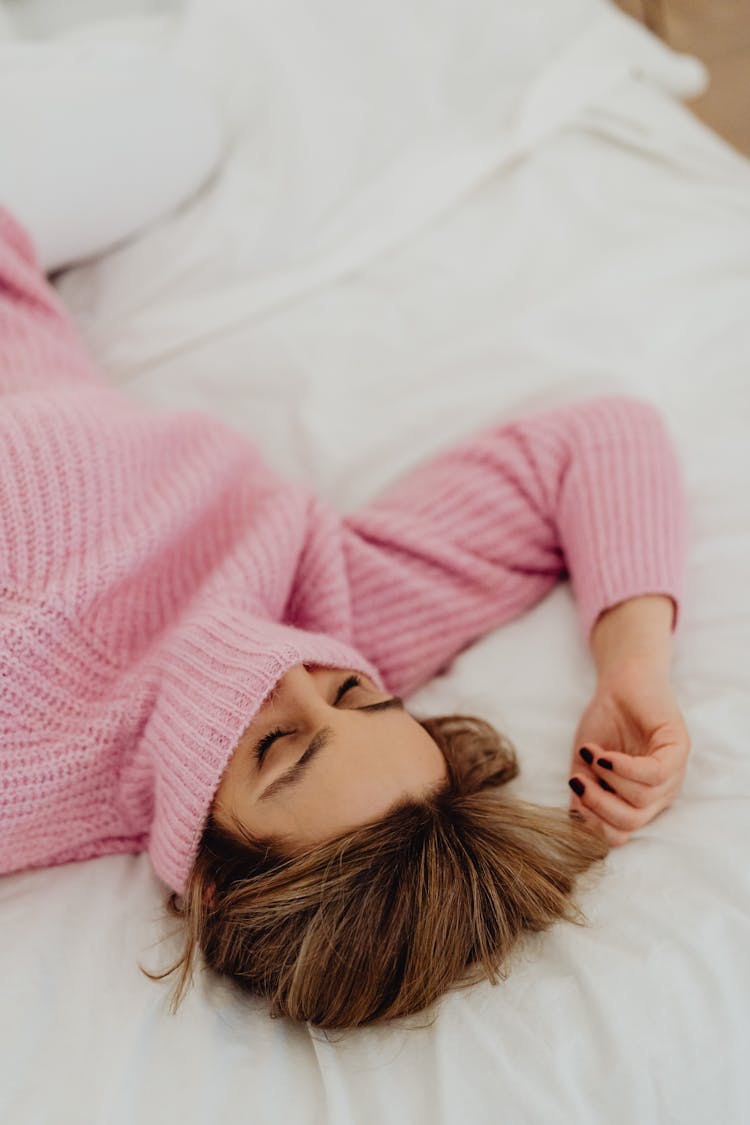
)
(318, 742)
(262, 747)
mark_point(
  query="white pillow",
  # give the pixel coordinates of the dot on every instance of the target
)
(98, 141)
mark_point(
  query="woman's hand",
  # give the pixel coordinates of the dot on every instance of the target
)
(634, 724)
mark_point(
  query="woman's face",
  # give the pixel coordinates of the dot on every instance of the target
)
(345, 758)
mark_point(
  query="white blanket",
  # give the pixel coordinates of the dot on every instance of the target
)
(434, 213)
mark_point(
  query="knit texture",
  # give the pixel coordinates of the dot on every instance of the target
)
(157, 576)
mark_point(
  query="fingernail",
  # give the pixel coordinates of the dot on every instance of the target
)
(587, 756)
(605, 786)
(577, 786)
(604, 763)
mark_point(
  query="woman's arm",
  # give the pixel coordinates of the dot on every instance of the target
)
(636, 630)
(97, 142)
(481, 532)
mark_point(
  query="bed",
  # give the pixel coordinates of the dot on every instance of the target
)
(431, 214)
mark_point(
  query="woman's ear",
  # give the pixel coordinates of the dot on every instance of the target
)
(209, 897)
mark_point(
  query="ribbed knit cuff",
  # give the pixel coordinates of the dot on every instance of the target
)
(221, 666)
(624, 514)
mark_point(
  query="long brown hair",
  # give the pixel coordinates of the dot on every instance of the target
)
(382, 920)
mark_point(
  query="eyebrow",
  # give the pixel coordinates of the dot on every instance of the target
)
(317, 743)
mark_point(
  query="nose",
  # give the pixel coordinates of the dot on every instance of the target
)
(305, 689)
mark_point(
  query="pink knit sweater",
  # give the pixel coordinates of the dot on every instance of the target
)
(157, 577)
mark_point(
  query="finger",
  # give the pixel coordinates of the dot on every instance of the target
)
(610, 808)
(644, 768)
(614, 837)
(636, 793)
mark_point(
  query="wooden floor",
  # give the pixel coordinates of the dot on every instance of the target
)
(718, 32)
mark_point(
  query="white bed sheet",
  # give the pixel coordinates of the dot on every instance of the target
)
(587, 235)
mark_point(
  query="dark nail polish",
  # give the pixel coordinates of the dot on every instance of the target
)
(605, 786)
(604, 763)
(576, 786)
(587, 756)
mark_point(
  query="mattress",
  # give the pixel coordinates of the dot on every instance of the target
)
(430, 215)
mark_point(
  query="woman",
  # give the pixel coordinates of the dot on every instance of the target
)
(203, 660)
(206, 661)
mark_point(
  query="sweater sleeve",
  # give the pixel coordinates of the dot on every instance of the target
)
(39, 342)
(21, 276)
(470, 539)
